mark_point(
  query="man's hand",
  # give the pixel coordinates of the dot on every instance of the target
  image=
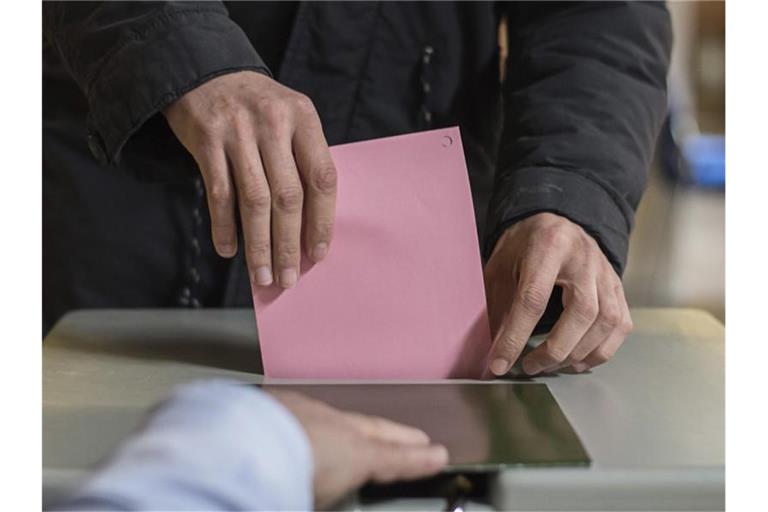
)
(260, 144)
(529, 259)
(350, 449)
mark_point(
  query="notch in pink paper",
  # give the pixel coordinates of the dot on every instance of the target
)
(400, 294)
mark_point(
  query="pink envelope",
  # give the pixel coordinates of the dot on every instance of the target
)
(400, 294)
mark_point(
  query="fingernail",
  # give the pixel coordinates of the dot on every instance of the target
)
(227, 249)
(288, 278)
(263, 276)
(441, 454)
(531, 367)
(499, 366)
(319, 252)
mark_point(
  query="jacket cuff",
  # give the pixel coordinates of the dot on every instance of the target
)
(181, 51)
(574, 196)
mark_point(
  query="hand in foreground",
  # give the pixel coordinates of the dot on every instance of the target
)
(350, 449)
(260, 145)
(530, 258)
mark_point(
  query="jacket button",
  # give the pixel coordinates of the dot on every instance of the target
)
(199, 187)
(96, 145)
(426, 55)
(184, 297)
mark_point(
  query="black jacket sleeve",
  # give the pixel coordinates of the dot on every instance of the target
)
(584, 98)
(132, 59)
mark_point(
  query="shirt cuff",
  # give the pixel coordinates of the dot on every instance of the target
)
(213, 445)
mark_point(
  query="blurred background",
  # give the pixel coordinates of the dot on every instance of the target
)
(677, 251)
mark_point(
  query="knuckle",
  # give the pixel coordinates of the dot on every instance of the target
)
(289, 199)
(303, 104)
(534, 300)
(323, 179)
(215, 124)
(589, 245)
(577, 356)
(586, 310)
(554, 236)
(271, 111)
(256, 198)
(220, 194)
(610, 317)
(627, 325)
(555, 354)
(212, 128)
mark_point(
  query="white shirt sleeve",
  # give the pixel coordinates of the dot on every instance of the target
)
(214, 445)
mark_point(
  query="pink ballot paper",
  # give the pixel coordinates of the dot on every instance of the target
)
(400, 294)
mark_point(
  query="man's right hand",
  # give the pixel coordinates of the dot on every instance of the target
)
(350, 449)
(260, 144)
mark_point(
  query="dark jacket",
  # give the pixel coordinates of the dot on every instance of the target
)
(571, 130)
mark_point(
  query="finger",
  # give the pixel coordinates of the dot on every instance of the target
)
(580, 312)
(602, 353)
(287, 201)
(392, 462)
(381, 429)
(608, 349)
(254, 201)
(319, 175)
(221, 198)
(537, 279)
(608, 319)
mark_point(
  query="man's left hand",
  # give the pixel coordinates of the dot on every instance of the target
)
(529, 259)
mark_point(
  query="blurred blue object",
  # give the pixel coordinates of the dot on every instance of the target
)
(705, 159)
(688, 157)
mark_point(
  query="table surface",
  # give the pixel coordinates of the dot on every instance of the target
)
(652, 419)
